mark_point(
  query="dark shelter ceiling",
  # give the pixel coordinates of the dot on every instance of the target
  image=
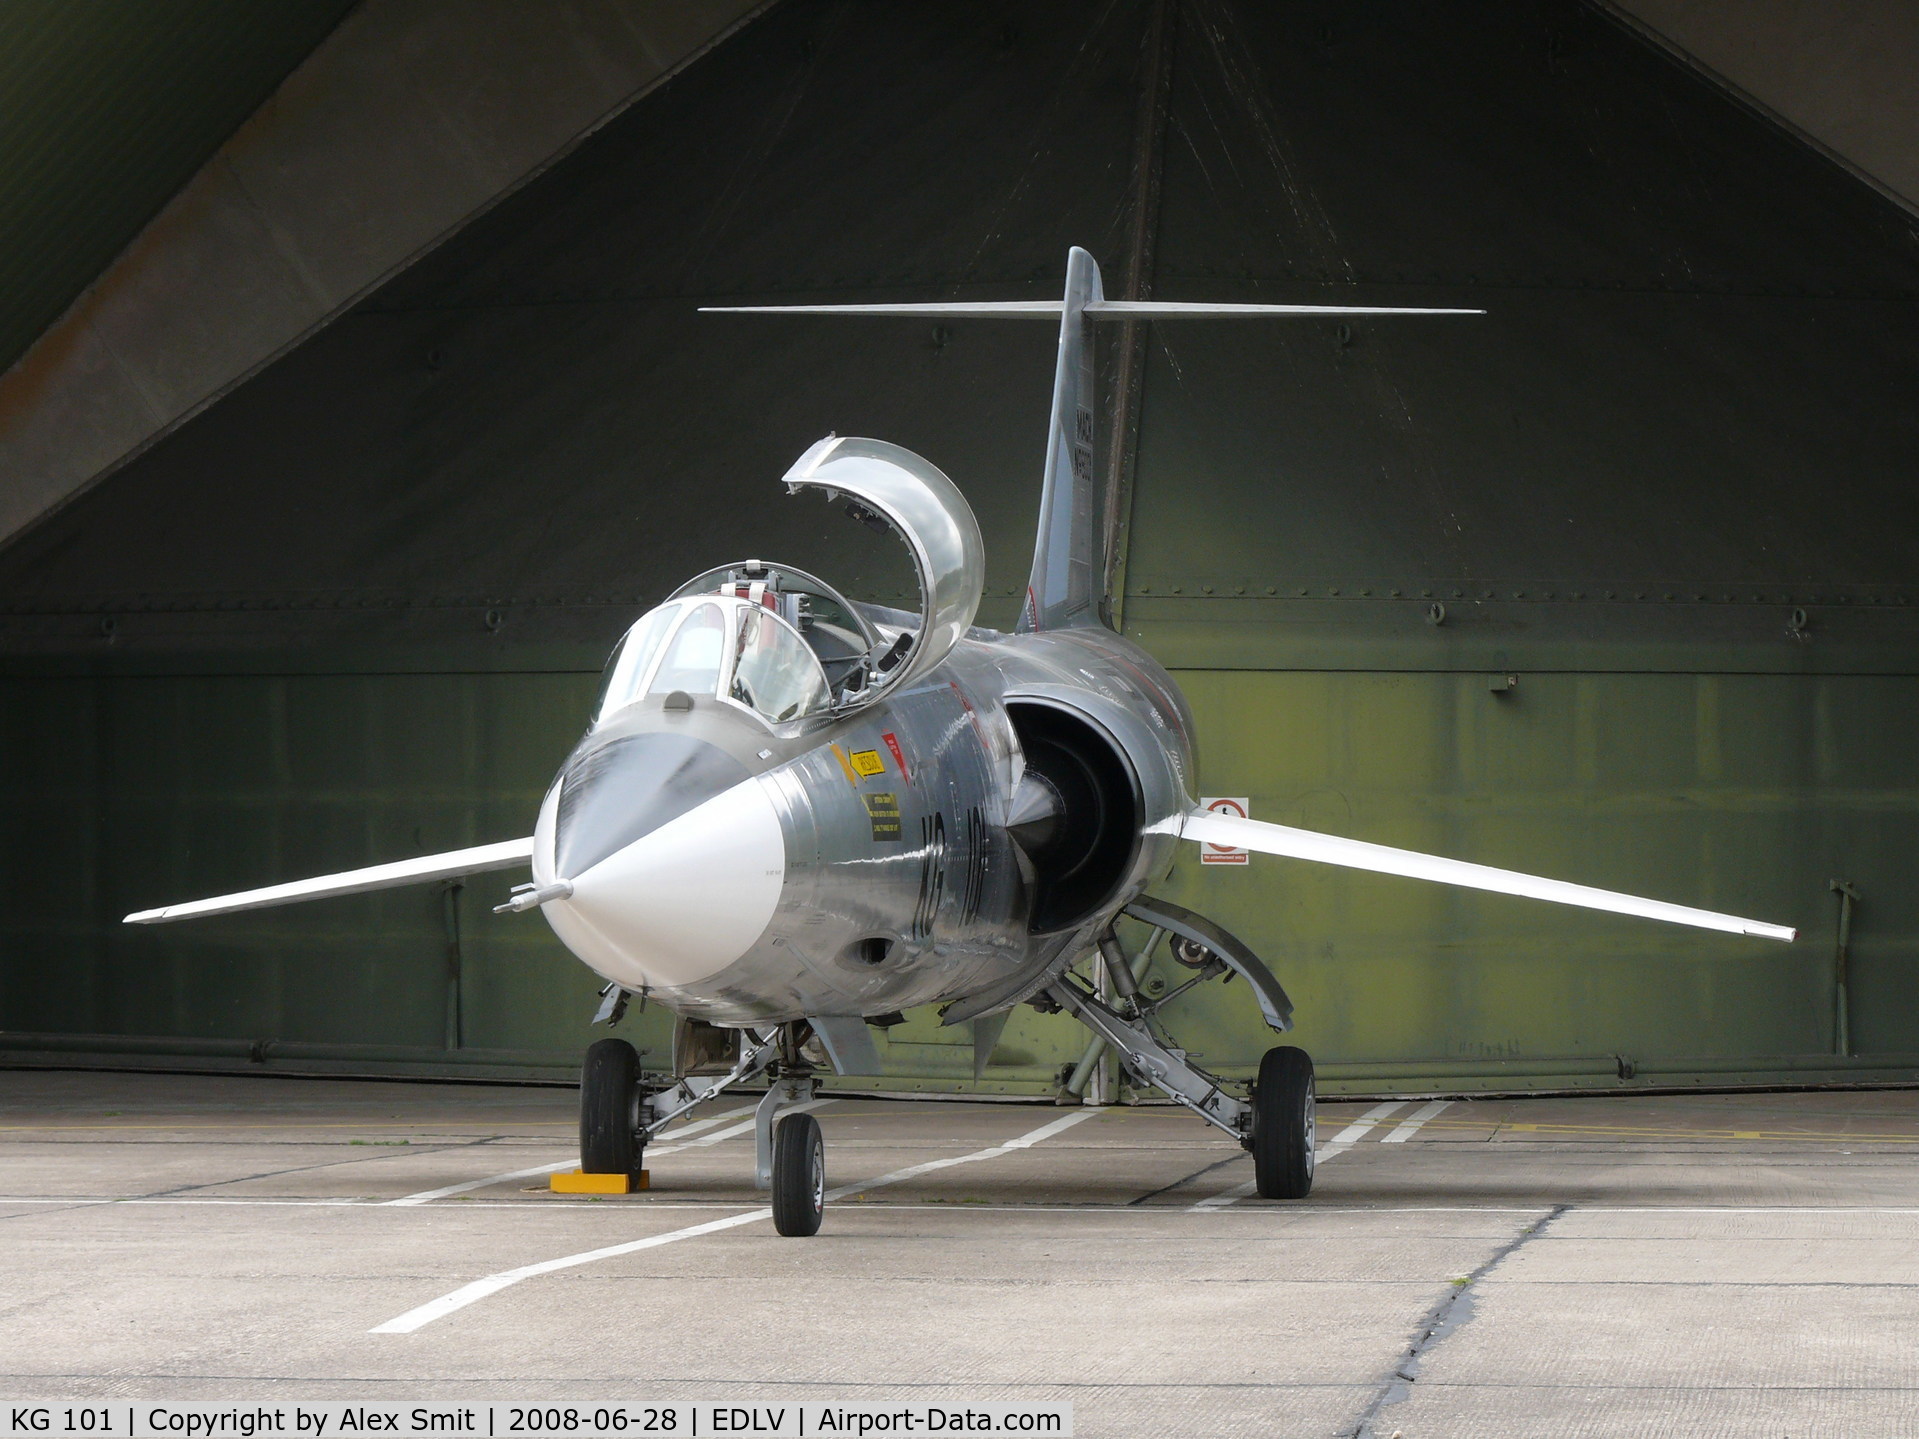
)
(1694, 376)
(109, 109)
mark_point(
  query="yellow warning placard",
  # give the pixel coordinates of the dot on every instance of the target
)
(883, 810)
(868, 762)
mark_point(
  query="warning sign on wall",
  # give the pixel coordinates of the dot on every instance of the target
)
(1225, 853)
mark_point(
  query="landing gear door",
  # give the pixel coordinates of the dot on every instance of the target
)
(926, 510)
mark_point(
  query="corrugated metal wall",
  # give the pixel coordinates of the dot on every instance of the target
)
(353, 611)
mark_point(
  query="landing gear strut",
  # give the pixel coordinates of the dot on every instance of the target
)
(1275, 1120)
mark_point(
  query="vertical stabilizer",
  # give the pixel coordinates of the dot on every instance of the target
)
(1067, 587)
(1063, 590)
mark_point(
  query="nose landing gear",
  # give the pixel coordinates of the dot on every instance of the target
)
(619, 1114)
(799, 1176)
(611, 1139)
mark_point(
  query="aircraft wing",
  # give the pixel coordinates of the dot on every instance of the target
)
(506, 855)
(1208, 827)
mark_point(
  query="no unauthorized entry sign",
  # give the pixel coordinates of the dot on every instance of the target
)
(1225, 853)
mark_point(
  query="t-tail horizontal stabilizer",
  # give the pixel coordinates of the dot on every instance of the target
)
(1209, 827)
(1093, 310)
(1069, 561)
(508, 854)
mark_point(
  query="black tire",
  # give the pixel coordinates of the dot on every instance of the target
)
(799, 1176)
(1283, 1124)
(610, 1109)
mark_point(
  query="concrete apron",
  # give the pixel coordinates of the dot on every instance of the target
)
(1695, 1264)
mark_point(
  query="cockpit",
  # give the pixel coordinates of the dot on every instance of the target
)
(782, 644)
(775, 641)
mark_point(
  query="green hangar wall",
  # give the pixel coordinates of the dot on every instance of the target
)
(1614, 583)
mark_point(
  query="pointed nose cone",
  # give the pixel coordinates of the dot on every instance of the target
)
(615, 792)
(684, 901)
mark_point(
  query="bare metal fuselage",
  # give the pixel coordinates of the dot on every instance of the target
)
(898, 884)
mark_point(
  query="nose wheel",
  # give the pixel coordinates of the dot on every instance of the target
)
(799, 1176)
(610, 1140)
(1283, 1124)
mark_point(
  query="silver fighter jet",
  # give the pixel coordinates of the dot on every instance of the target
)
(794, 815)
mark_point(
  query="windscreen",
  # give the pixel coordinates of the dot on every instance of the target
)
(632, 658)
(694, 655)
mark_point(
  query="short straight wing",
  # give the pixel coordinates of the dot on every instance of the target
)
(1208, 827)
(506, 855)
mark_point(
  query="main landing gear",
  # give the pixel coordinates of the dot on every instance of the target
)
(619, 1113)
(1283, 1125)
(1276, 1119)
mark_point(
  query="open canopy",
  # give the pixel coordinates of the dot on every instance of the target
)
(926, 510)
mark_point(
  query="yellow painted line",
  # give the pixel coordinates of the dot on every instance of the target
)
(847, 765)
(1416, 1121)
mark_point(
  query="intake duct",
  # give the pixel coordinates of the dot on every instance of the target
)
(1076, 813)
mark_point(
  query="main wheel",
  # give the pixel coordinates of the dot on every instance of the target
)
(610, 1109)
(799, 1176)
(1283, 1124)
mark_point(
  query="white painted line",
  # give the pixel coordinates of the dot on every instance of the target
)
(1323, 1154)
(1409, 1126)
(745, 1128)
(1366, 1123)
(695, 1125)
(1228, 1196)
(427, 1196)
(493, 1283)
(1025, 1141)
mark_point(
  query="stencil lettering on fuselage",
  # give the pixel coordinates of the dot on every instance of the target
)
(932, 874)
(973, 846)
(883, 809)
